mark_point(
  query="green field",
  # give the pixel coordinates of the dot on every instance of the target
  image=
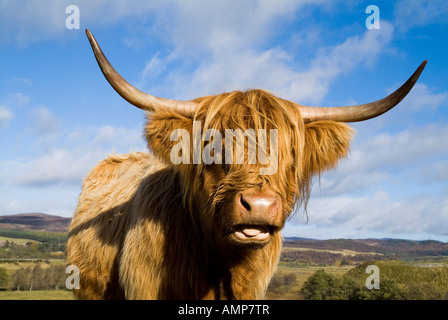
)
(32, 268)
(36, 295)
(423, 282)
(398, 280)
(16, 240)
(12, 267)
(301, 275)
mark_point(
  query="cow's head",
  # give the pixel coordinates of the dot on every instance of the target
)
(247, 203)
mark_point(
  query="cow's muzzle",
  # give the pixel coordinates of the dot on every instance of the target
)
(259, 216)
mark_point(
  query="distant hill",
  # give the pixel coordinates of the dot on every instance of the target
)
(359, 250)
(367, 245)
(35, 222)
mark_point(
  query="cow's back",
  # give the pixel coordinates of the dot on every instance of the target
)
(100, 221)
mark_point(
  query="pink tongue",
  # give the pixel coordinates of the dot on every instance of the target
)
(251, 232)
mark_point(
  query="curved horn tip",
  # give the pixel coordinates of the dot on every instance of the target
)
(88, 33)
(131, 94)
(421, 67)
(365, 111)
(90, 37)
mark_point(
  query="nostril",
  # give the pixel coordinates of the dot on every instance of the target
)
(261, 203)
(244, 203)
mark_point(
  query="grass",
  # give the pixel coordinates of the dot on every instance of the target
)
(302, 274)
(344, 252)
(36, 295)
(16, 240)
(397, 271)
(13, 266)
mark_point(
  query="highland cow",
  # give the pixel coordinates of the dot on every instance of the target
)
(146, 228)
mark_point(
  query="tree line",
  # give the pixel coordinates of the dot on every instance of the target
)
(323, 286)
(51, 277)
(48, 241)
(31, 250)
(41, 245)
(323, 258)
(397, 281)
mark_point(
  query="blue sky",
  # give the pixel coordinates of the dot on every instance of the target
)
(59, 117)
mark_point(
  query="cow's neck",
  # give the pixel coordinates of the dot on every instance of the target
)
(244, 274)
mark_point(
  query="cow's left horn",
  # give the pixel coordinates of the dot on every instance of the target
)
(133, 95)
(364, 111)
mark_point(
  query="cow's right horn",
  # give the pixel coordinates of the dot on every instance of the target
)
(364, 111)
(131, 94)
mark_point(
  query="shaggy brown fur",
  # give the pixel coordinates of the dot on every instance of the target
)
(147, 229)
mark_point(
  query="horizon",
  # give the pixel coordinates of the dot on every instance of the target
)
(59, 117)
(295, 238)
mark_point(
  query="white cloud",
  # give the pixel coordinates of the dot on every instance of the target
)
(416, 13)
(23, 80)
(119, 139)
(12, 101)
(225, 39)
(222, 26)
(5, 117)
(153, 67)
(438, 172)
(231, 38)
(380, 214)
(240, 64)
(17, 99)
(194, 22)
(416, 155)
(79, 152)
(409, 147)
(58, 166)
(29, 21)
(392, 184)
(421, 98)
(341, 59)
(51, 199)
(50, 181)
(44, 123)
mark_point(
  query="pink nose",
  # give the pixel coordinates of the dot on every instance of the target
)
(259, 206)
